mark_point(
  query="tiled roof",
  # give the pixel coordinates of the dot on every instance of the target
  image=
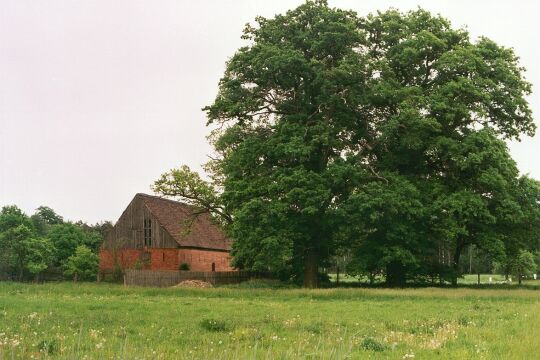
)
(174, 217)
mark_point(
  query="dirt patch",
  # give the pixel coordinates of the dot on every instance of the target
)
(194, 284)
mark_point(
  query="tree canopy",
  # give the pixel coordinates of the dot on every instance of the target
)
(383, 135)
(31, 246)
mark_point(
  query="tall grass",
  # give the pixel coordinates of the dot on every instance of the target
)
(103, 321)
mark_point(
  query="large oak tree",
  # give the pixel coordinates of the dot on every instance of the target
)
(332, 130)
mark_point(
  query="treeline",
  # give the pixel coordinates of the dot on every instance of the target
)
(44, 246)
(519, 265)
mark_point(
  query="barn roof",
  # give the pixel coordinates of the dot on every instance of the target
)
(174, 215)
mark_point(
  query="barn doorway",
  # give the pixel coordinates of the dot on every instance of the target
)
(213, 267)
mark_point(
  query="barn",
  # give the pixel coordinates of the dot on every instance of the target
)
(154, 233)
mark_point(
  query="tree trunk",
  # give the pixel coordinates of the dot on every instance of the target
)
(519, 277)
(337, 275)
(311, 269)
(478, 278)
(470, 262)
(455, 265)
(395, 274)
(21, 272)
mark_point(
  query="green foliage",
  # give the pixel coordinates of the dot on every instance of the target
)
(30, 245)
(372, 344)
(214, 325)
(192, 189)
(11, 216)
(377, 134)
(287, 108)
(117, 275)
(94, 234)
(38, 254)
(48, 347)
(184, 267)
(82, 265)
(43, 218)
(523, 264)
(49, 215)
(379, 137)
(20, 248)
(14, 240)
(66, 238)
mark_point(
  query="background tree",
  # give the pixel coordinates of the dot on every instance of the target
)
(38, 255)
(94, 234)
(523, 264)
(14, 241)
(65, 238)
(82, 265)
(41, 244)
(188, 185)
(10, 218)
(43, 218)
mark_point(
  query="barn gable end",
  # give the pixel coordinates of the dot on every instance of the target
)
(161, 234)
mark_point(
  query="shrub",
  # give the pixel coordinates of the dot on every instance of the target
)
(83, 265)
(117, 274)
(184, 267)
(214, 325)
(370, 343)
(48, 347)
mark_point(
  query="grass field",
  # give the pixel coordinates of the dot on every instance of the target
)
(101, 321)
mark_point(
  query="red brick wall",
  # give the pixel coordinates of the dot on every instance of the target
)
(167, 259)
(126, 258)
(201, 260)
(164, 259)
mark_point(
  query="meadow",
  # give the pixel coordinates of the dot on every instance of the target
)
(108, 321)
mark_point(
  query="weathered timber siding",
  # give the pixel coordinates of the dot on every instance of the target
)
(170, 278)
(128, 232)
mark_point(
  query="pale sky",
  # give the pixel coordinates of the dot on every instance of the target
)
(98, 98)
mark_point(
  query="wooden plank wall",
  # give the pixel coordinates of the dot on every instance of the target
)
(128, 232)
(171, 278)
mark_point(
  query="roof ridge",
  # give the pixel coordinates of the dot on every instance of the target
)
(171, 215)
(165, 199)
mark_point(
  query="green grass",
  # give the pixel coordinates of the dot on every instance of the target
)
(104, 321)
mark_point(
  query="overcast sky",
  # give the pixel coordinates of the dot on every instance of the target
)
(98, 98)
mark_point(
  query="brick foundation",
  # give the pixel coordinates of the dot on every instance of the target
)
(165, 259)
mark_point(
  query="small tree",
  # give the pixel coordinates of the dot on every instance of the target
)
(83, 265)
(523, 264)
(17, 238)
(38, 257)
(66, 238)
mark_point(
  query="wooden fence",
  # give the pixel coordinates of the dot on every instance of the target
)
(163, 278)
